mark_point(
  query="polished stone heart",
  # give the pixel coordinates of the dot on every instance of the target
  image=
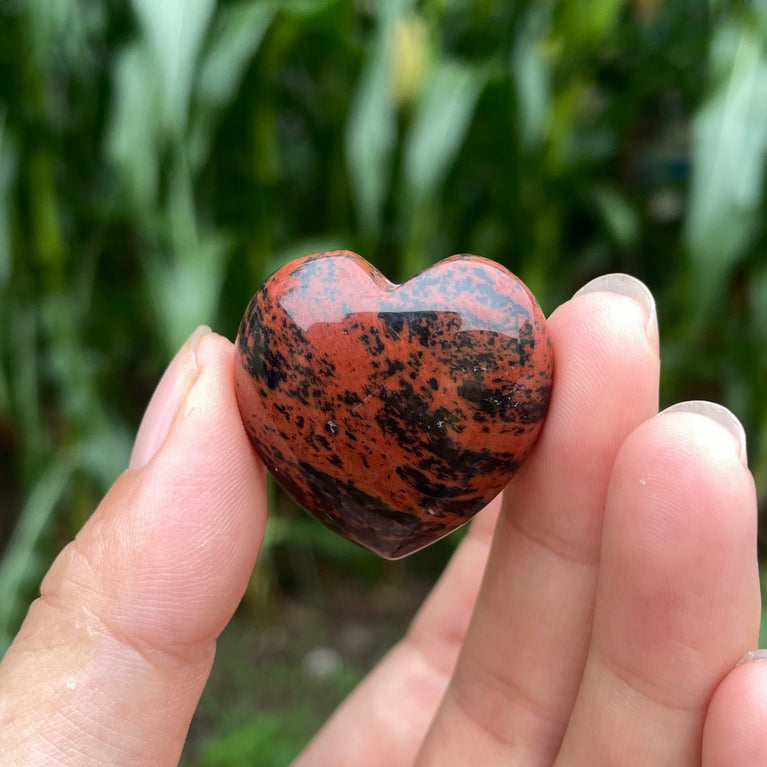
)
(393, 413)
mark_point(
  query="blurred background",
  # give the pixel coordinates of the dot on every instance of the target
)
(159, 159)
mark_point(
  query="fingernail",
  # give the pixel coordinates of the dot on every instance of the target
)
(631, 287)
(174, 385)
(721, 415)
(753, 657)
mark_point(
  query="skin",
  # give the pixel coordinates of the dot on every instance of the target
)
(620, 589)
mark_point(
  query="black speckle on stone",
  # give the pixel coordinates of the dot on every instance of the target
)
(372, 342)
(393, 323)
(421, 327)
(319, 439)
(489, 404)
(337, 495)
(270, 366)
(283, 410)
(393, 366)
(422, 485)
(350, 398)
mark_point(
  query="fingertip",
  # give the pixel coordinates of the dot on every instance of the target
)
(207, 430)
(211, 346)
(168, 395)
(692, 447)
(678, 594)
(680, 487)
(679, 556)
(736, 724)
(720, 415)
(598, 330)
(605, 383)
(606, 287)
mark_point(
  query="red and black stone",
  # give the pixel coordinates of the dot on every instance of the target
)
(393, 413)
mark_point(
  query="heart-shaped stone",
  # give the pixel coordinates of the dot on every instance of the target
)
(393, 413)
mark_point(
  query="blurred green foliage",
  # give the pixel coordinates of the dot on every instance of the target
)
(270, 738)
(159, 159)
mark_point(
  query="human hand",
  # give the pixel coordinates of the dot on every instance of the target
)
(620, 591)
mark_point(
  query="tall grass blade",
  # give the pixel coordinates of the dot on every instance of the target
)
(18, 563)
(133, 132)
(371, 129)
(175, 30)
(235, 38)
(729, 148)
(442, 118)
(531, 75)
(186, 290)
(8, 165)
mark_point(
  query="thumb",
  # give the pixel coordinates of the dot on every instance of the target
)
(111, 660)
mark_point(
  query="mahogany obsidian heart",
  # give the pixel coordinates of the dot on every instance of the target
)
(393, 413)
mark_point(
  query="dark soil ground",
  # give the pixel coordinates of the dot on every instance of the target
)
(285, 663)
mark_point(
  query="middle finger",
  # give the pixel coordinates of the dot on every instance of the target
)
(520, 667)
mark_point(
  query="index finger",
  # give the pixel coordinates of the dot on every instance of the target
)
(111, 660)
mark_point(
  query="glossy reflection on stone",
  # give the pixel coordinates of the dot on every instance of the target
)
(393, 413)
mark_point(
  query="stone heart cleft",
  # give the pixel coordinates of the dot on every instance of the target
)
(393, 413)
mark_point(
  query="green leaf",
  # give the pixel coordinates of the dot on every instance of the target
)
(186, 289)
(106, 449)
(531, 74)
(443, 114)
(24, 369)
(235, 38)
(371, 128)
(8, 165)
(304, 7)
(18, 563)
(729, 147)
(175, 30)
(588, 22)
(619, 217)
(62, 33)
(266, 740)
(133, 132)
